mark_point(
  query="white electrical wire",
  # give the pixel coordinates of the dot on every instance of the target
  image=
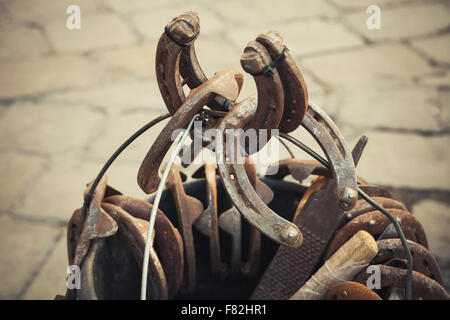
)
(149, 242)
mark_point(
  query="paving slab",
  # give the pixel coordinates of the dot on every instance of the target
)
(47, 129)
(97, 31)
(119, 126)
(51, 196)
(28, 77)
(17, 171)
(129, 94)
(435, 218)
(301, 37)
(23, 247)
(404, 108)
(127, 62)
(403, 22)
(130, 6)
(261, 13)
(384, 63)
(403, 160)
(357, 4)
(435, 48)
(28, 11)
(51, 279)
(21, 43)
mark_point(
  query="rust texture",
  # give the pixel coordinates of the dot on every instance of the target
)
(350, 290)
(208, 222)
(224, 83)
(180, 31)
(135, 232)
(294, 87)
(331, 141)
(375, 223)
(422, 286)
(189, 210)
(167, 238)
(423, 260)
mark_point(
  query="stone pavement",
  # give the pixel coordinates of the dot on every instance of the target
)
(68, 98)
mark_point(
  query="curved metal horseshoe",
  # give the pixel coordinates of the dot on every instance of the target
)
(422, 286)
(167, 238)
(376, 191)
(349, 290)
(135, 232)
(226, 83)
(423, 260)
(193, 75)
(251, 267)
(375, 223)
(328, 136)
(295, 92)
(179, 33)
(240, 190)
(208, 223)
(362, 206)
(96, 224)
(189, 210)
(299, 169)
(269, 87)
(270, 95)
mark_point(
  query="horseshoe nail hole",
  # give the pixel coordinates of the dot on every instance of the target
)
(317, 117)
(334, 297)
(425, 263)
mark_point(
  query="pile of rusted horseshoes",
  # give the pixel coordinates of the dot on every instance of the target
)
(292, 239)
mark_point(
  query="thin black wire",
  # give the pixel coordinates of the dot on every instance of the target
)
(363, 195)
(291, 154)
(88, 198)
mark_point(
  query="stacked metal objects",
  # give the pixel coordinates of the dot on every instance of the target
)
(228, 233)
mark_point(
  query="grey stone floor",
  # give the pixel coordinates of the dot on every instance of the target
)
(69, 98)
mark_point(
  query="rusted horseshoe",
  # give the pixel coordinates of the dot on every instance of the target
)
(299, 169)
(230, 222)
(97, 224)
(240, 190)
(189, 210)
(295, 92)
(224, 83)
(331, 141)
(179, 33)
(422, 286)
(270, 107)
(362, 206)
(376, 191)
(135, 232)
(251, 267)
(375, 223)
(423, 260)
(169, 245)
(193, 75)
(208, 224)
(349, 290)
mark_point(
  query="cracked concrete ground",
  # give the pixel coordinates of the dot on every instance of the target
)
(69, 98)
